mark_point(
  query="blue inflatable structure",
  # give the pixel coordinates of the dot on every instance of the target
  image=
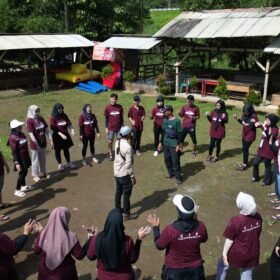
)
(91, 87)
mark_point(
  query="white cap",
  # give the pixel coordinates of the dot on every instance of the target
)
(187, 206)
(15, 124)
(125, 130)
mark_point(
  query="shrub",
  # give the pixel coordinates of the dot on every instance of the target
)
(106, 71)
(221, 88)
(129, 76)
(253, 97)
(162, 87)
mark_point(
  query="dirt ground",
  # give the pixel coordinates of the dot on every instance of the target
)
(91, 189)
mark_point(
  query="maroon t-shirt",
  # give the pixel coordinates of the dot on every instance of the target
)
(249, 129)
(60, 124)
(88, 125)
(187, 113)
(19, 147)
(245, 232)
(124, 270)
(136, 114)
(182, 250)
(276, 151)
(217, 128)
(264, 149)
(38, 127)
(158, 115)
(2, 172)
(114, 117)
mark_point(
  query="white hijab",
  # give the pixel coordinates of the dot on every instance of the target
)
(31, 111)
(246, 203)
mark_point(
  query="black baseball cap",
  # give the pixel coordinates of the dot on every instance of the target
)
(136, 98)
(190, 97)
(160, 99)
(168, 108)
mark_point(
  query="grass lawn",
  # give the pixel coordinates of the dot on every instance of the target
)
(214, 186)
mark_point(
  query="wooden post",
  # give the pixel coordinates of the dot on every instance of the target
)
(45, 80)
(266, 79)
(177, 77)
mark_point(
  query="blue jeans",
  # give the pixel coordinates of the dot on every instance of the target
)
(222, 270)
(277, 184)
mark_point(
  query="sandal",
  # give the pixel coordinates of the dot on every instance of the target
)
(241, 167)
(275, 201)
(4, 217)
(36, 179)
(5, 205)
(276, 217)
(271, 194)
(276, 208)
(209, 158)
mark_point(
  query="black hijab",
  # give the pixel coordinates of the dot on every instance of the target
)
(87, 115)
(273, 119)
(248, 111)
(110, 243)
(55, 112)
(219, 112)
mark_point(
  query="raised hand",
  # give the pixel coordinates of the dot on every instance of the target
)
(37, 227)
(153, 220)
(143, 232)
(28, 227)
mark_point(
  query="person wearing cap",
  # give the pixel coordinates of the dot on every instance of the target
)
(37, 129)
(123, 172)
(248, 120)
(19, 147)
(181, 240)
(136, 115)
(218, 118)
(113, 121)
(242, 245)
(157, 115)
(60, 123)
(190, 113)
(171, 127)
(265, 153)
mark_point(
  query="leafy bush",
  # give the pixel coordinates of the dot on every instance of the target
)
(194, 83)
(129, 76)
(253, 97)
(6, 151)
(106, 71)
(221, 89)
(162, 87)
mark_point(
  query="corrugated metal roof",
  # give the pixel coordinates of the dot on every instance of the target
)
(132, 43)
(43, 41)
(223, 24)
(274, 47)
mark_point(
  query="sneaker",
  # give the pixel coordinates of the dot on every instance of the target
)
(95, 160)
(156, 154)
(241, 167)
(61, 167)
(26, 188)
(138, 153)
(19, 193)
(46, 176)
(168, 177)
(130, 216)
(262, 184)
(209, 158)
(84, 162)
(253, 179)
(71, 165)
(178, 182)
(111, 157)
(36, 179)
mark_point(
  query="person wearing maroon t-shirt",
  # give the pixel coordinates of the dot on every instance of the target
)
(9, 248)
(275, 262)
(56, 245)
(242, 245)
(136, 115)
(37, 129)
(3, 164)
(19, 147)
(113, 121)
(157, 115)
(114, 250)
(218, 118)
(265, 153)
(181, 240)
(88, 129)
(59, 123)
(190, 113)
(249, 118)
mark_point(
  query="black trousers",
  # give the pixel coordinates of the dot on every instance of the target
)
(267, 179)
(21, 177)
(157, 136)
(66, 155)
(245, 150)
(91, 141)
(172, 162)
(136, 140)
(183, 273)
(191, 132)
(215, 142)
(123, 187)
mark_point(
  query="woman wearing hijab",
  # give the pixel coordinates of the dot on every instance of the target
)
(37, 129)
(218, 118)
(56, 245)
(242, 245)
(114, 250)
(249, 118)
(275, 262)
(88, 129)
(19, 147)
(265, 153)
(181, 240)
(9, 248)
(60, 124)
